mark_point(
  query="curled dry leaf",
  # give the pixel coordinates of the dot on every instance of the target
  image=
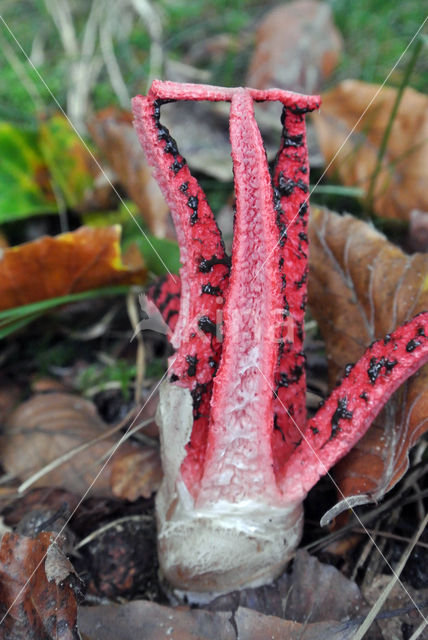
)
(361, 288)
(49, 425)
(68, 263)
(297, 46)
(37, 589)
(113, 132)
(401, 183)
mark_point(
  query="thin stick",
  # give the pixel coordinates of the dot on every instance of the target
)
(419, 630)
(132, 309)
(385, 593)
(109, 525)
(54, 464)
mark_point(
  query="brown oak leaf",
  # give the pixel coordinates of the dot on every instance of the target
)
(361, 287)
(401, 183)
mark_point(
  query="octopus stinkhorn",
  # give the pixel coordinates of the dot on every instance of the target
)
(239, 454)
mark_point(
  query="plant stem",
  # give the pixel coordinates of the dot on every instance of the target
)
(384, 142)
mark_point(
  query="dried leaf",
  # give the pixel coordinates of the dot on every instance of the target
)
(297, 46)
(41, 607)
(401, 183)
(361, 288)
(69, 263)
(113, 132)
(139, 473)
(57, 501)
(150, 621)
(24, 176)
(48, 426)
(69, 162)
(312, 592)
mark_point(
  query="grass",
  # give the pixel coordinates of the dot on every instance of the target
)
(375, 34)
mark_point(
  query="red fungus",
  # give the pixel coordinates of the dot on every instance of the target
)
(238, 453)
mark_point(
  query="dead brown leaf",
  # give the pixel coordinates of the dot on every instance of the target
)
(114, 134)
(312, 592)
(361, 287)
(401, 183)
(297, 47)
(150, 621)
(37, 600)
(49, 425)
(57, 266)
(136, 474)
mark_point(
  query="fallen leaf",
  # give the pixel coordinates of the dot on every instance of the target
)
(24, 176)
(361, 287)
(297, 47)
(312, 592)
(70, 163)
(48, 426)
(401, 183)
(150, 621)
(69, 263)
(136, 474)
(37, 589)
(57, 501)
(114, 134)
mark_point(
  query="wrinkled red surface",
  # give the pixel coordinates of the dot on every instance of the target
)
(260, 370)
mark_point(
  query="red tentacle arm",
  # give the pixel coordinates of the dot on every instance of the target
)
(204, 274)
(291, 193)
(353, 405)
(167, 91)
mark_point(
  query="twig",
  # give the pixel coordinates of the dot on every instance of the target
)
(110, 525)
(54, 464)
(132, 309)
(110, 60)
(153, 23)
(385, 593)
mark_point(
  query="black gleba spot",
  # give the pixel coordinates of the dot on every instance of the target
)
(376, 365)
(207, 326)
(412, 345)
(192, 361)
(341, 413)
